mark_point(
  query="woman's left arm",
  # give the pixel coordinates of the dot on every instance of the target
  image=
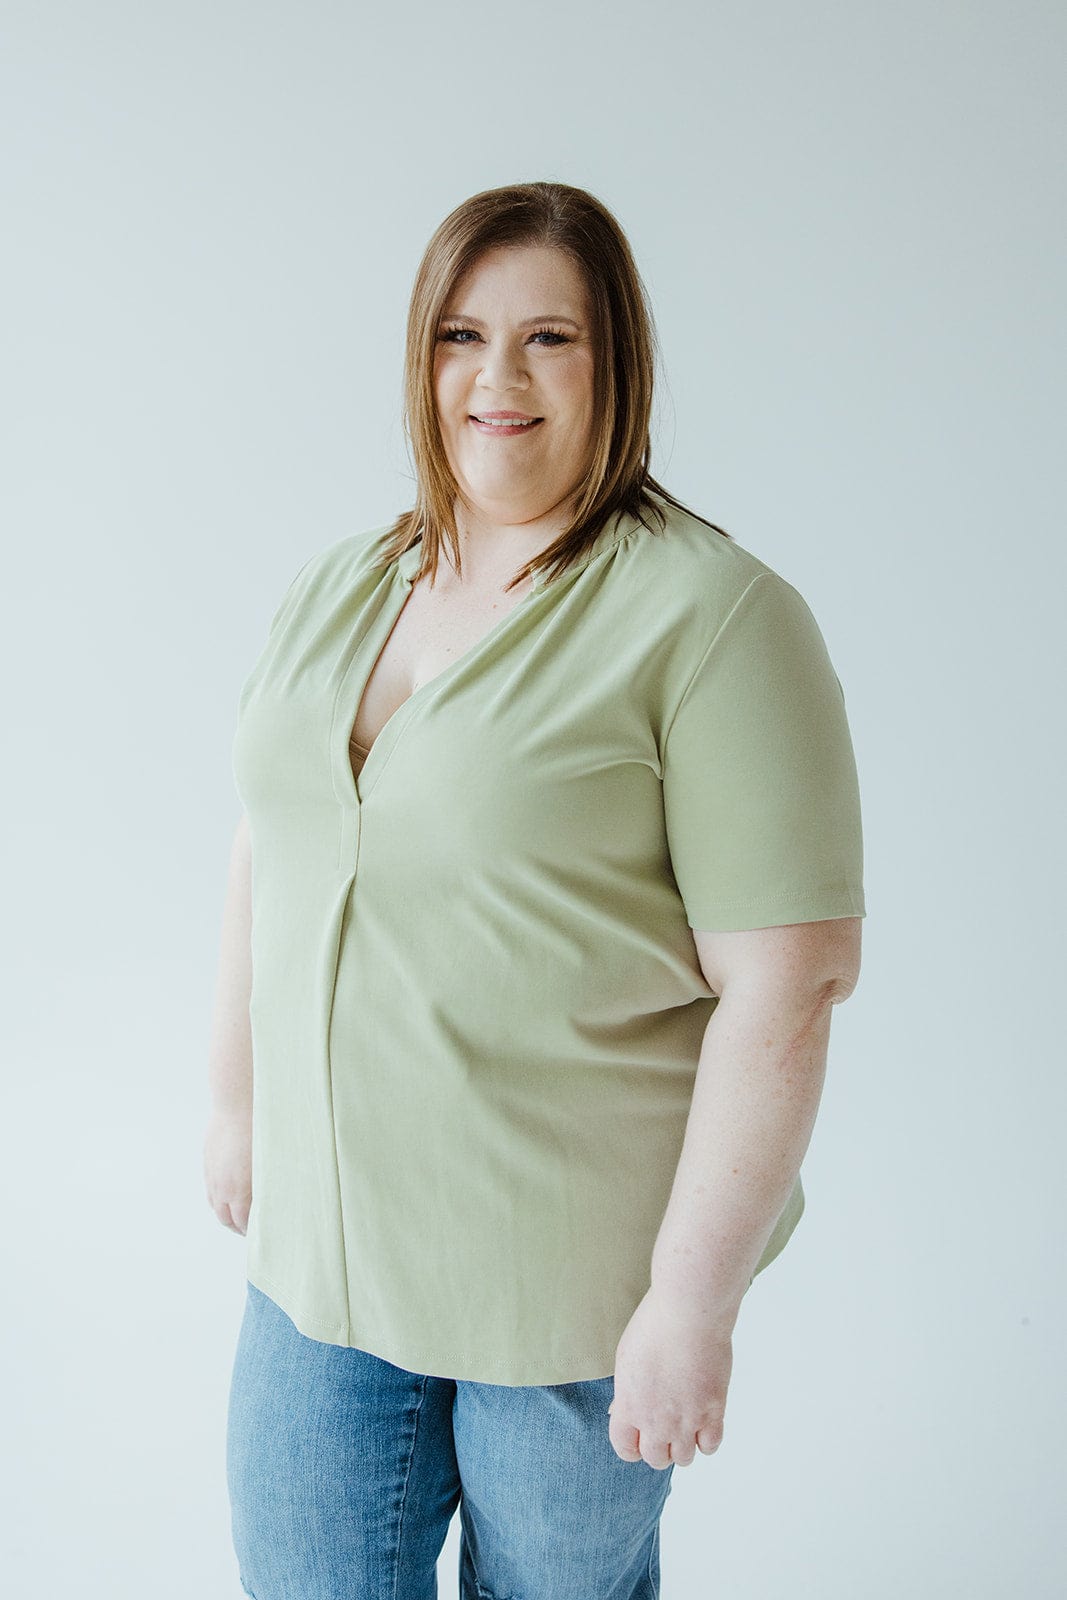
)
(756, 1095)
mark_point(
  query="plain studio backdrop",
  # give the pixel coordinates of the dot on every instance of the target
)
(849, 218)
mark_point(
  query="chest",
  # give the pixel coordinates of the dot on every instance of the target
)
(516, 736)
(436, 626)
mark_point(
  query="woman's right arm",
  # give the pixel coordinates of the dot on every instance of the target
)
(228, 1142)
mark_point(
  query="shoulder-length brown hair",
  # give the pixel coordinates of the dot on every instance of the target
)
(624, 351)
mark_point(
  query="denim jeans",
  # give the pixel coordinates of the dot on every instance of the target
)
(344, 1473)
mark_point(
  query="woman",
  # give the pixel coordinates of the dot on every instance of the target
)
(555, 823)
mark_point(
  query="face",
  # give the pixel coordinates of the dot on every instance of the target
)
(515, 337)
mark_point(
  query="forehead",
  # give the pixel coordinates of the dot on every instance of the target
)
(508, 280)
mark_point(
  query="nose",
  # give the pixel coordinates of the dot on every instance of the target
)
(503, 369)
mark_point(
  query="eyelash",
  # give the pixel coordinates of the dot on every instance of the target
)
(448, 335)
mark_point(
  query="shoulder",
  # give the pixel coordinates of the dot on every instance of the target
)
(697, 577)
(337, 568)
(324, 577)
(344, 559)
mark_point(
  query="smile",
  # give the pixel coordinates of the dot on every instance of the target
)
(508, 427)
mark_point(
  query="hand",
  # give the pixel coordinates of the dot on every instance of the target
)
(228, 1167)
(672, 1370)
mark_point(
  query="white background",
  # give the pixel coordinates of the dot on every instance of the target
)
(849, 218)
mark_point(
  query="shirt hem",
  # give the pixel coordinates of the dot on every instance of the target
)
(462, 1366)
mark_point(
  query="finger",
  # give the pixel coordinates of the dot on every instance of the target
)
(657, 1454)
(626, 1455)
(709, 1440)
(625, 1441)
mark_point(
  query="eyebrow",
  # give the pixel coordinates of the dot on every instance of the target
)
(462, 316)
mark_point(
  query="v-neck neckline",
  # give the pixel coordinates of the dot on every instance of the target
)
(365, 656)
(357, 675)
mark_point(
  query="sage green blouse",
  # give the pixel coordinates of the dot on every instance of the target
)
(477, 1008)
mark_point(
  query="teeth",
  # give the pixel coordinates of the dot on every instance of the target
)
(506, 422)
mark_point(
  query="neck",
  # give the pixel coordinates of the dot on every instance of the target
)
(491, 552)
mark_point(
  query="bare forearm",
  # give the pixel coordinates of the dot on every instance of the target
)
(230, 1050)
(757, 1091)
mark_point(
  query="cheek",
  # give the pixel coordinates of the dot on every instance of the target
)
(447, 397)
(577, 387)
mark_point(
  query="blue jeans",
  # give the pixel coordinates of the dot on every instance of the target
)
(344, 1473)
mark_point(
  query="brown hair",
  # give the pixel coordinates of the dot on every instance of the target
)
(624, 345)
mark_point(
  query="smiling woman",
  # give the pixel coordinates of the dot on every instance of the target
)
(528, 300)
(503, 378)
(515, 767)
(515, 394)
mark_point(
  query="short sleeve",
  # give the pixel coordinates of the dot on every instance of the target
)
(760, 792)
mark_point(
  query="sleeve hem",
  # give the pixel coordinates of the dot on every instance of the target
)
(772, 911)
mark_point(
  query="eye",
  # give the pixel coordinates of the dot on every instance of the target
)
(455, 335)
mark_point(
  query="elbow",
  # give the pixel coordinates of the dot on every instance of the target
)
(843, 967)
(840, 985)
(837, 989)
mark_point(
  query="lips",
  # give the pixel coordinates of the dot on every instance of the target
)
(507, 425)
